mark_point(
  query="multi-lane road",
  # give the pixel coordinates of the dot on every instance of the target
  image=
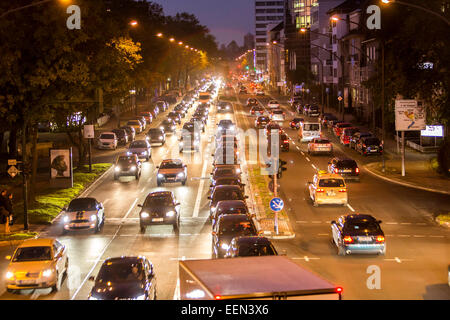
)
(414, 267)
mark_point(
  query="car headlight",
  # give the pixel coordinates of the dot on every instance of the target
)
(145, 215)
(219, 128)
(47, 273)
(162, 127)
(224, 246)
(180, 175)
(181, 143)
(66, 219)
(170, 214)
(213, 209)
(141, 297)
(9, 275)
(129, 153)
(117, 169)
(93, 218)
(160, 138)
(144, 153)
(93, 298)
(133, 168)
(147, 138)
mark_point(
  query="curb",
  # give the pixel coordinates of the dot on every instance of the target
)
(405, 184)
(11, 243)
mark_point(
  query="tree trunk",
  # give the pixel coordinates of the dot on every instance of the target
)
(34, 163)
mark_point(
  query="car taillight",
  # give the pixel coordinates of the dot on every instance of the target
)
(343, 190)
(336, 170)
(380, 239)
(348, 239)
(339, 290)
(357, 170)
(286, 141)
(320, 190)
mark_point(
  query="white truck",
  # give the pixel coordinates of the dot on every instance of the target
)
(263, 277)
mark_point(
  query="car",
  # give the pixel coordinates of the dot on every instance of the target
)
(328, 188)
(326, 118)
(156, 135)
(107, 140)
(181, 111)
(192, 128)
(222, 139)
(309, 131)
(127, 165)
(296, 123)
(257, 110)
(121, 135)
(231, 180)
(171, 170)
(162, 105)
(226, 126)
(369, 145)
(358, 233)
(224, 106)
(147, 115)
(347, 168)
(320, 145)
(83, 214)
(277, 115)
(354, 139)
(225, 157)
(168, 126)
(131, 132)
(159, 208)
(273, 104)
(261, 122)
(283, 144)
(175, 116)
(141, 148)
(224, 192)
(339, 127)
(198, 115)
(124, 278)
(225, 171)
(305, 108)
(229, 207)
(228, 227)
(250, 246)
(251, 102)
(260, 92)
(198, 121)
(136, 124)
(155, 111)
(37, 263)
(273, 127)
(142, 120)
(347, 133)
(313, 111)
(243, 90)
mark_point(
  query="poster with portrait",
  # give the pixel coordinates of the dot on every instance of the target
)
(60, 163)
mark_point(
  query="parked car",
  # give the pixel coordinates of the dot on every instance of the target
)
(124, 278)
(131, 132)
(107, 140)
(147, 115)
(347, 133)
(162, 105)
(121, 135)
(339, 127)
(142, 120)
(325, 118)
(357, 136)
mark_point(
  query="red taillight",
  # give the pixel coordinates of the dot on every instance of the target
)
(380, 239)
(357, 170)
(286, 141)
(339, 289)
(217, 297)
(336, 170)
(343, 190)
(320, 190)
(348, 239)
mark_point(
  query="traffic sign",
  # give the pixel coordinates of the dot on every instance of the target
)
(340, 98)
(276, 204)
(12, 162)
(13, 171)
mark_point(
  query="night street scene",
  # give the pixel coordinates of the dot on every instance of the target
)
(238, 150)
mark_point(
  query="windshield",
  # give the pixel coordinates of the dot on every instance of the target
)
(107, 136)
(171, 165)
(123, 161)
(138, 144)
(227, 194)
(321, 141)
(347, 163)
(311, 127)
(154, 132)
(156, 201)
(255, 249)
(232, 210)
(372, 141)
(236, 227)
(33, 254)
(331, 183)
(82, 204)
(120, 272)
(362, 226)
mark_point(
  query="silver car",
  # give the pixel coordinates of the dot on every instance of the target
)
(83, 214)
(141, 148)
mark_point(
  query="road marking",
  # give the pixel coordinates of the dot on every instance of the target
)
(436, 236)
(418, 236)
(405, 223)
(307, 159)
(129, 210)
(350, 207)
(404, 235)
(143, 189)
(106, 201)
(323, 234)
(301, 221)
(302, 153)
(391, 222)
(200, 191)
(313, 166)
(316, 221)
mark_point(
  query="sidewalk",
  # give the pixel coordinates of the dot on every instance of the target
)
(419, 171)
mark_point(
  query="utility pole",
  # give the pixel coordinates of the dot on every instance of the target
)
(383, 169)
(24, 176)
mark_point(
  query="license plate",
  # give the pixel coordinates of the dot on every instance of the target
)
(157, 219)
(27, 281)
(365, 238)
(373, 150)
(346, 171)
(331, 193)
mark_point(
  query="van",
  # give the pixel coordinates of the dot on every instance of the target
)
(309, 131)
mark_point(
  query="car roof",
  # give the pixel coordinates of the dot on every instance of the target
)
(177, 161)
(223, 187)
(130, 259)
(40, 242)
(329, 175)
(358, 216)
(231, 203)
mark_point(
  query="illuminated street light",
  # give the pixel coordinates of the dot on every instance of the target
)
(159, 35)
(133, 23)
(180, 43)
(171, 39)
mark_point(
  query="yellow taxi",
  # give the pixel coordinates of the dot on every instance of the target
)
(328, 188)
(37, 263)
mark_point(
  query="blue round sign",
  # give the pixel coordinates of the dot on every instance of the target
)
(276, 204)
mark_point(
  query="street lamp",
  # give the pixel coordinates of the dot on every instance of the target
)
(418, 7)
(4, 14)
(133, 23)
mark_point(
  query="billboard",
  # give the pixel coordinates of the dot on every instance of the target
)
(60, 163)
(409, 115)
(433, 131)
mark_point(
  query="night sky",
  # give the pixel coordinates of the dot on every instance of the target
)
(227, 20)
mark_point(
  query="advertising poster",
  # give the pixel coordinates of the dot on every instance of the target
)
(60, 163)
(409, 115)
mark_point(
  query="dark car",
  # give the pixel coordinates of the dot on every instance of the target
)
(192, 128)
(261, 122)
(121, 135)
(200, 116)
(223, 106)
(313, 111)
(251, 102)
(230, 171)
(224, 157)
(369, 145)
(347, 168)
(131, 132)
(257, 110)
(124, 278)
(224, 193)
(250, 246)
(326, 118)
(229, 207)
(159, 208)
(175, 116)
(156, 135)
(283, 144)
(162, 105)
(127, 165)
(228, 227)
(358, 233)
(169, 126)
(354, 139)
(189, 141)
(296, 123)
(231, 180)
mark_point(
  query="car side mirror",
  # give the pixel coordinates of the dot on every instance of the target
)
(333, 222)
(8, 257)
(246, 197)
(379, 221)
(91, 278)
(139, 205)
(213, 233)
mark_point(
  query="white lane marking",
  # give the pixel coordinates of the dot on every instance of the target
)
(143, 189)
(302, 153)
(418, 236)
(398, 260)
(200, 191)
(405, 223)
(313, 166)
(391, 222)
(131, 208)
(436, 236)
(316, 221)
(301, 221)
(323, 234)
(307, 159)
(350, 207)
